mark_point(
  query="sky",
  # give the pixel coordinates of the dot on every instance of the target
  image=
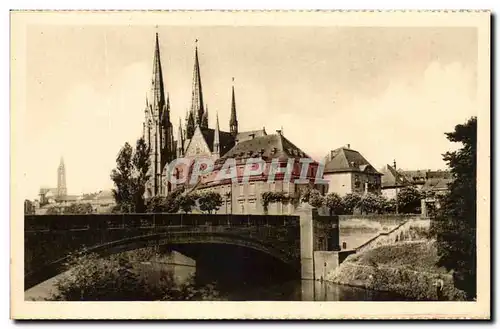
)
(389, 92)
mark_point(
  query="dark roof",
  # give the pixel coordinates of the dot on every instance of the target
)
(226, 140)
(247, 135)
(390, 176)
(347, 160)
(267, 147)
(435, 184)
(443, 174)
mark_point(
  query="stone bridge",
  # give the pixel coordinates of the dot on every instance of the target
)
(291, 240)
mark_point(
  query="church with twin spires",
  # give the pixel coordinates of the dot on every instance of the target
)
(194, 139)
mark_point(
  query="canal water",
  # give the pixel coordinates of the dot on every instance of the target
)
(238, 290)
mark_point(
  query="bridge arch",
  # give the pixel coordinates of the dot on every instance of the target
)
(173, 239)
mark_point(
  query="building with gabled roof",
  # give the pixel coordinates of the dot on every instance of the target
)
(349, 172)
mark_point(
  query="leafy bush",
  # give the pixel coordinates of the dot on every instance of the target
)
(371, 203)
(168, 204)
(316, 199)
(79, 208)
(334, 202)
(114, 278)
(209, 201)
(273, 197)
(350, 202)
(409, 200)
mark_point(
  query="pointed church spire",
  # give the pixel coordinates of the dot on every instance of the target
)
(180, 141)
(233, 122)
(216, 146)
(157, 96)
(197, 94)
(204, 119)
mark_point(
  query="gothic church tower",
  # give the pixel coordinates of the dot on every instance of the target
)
(61, 179)
(158, 130)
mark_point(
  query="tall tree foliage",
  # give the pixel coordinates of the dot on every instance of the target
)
(455, 223)
(409, 200)
(130, 177)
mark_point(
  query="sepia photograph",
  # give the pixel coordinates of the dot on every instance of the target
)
(197, 159)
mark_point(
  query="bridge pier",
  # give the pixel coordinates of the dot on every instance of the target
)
(306, 242)
(319, 242)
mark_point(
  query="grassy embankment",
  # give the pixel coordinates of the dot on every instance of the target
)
(405, 268)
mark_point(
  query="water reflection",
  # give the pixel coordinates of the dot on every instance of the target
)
(235, 289)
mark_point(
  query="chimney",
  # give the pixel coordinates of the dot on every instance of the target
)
(348, 146)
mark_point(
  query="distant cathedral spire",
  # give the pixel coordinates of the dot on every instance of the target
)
(233, 122)
(61, 179)
(197, 93)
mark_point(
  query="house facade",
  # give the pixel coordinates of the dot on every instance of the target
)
(347, 171)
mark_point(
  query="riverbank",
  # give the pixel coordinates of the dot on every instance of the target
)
(405, 268)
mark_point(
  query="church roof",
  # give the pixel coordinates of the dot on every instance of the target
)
(266, 146)
(45, 190)
(246, 135)
(347, 160)
(226, 140)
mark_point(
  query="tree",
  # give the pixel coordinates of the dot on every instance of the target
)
(334, 202)
(409, 200)
(390, 206)
(79, 208)
(187, 202)
(141, 163)
(371, 203)
(350, 202)
(455, 223)
(130, 177)
(316, 200)
(210, 201)
(168, 204)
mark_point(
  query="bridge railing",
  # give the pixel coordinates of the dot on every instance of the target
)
(126, 221)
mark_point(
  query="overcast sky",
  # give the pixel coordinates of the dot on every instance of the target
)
(389, 92)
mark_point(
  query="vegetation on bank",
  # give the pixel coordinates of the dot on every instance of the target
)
(454, 226)
(407, 268)
(116, 278)
(443, 267)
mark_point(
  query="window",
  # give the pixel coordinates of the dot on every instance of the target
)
(252, 206)
(242, 190)
(251, 189)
